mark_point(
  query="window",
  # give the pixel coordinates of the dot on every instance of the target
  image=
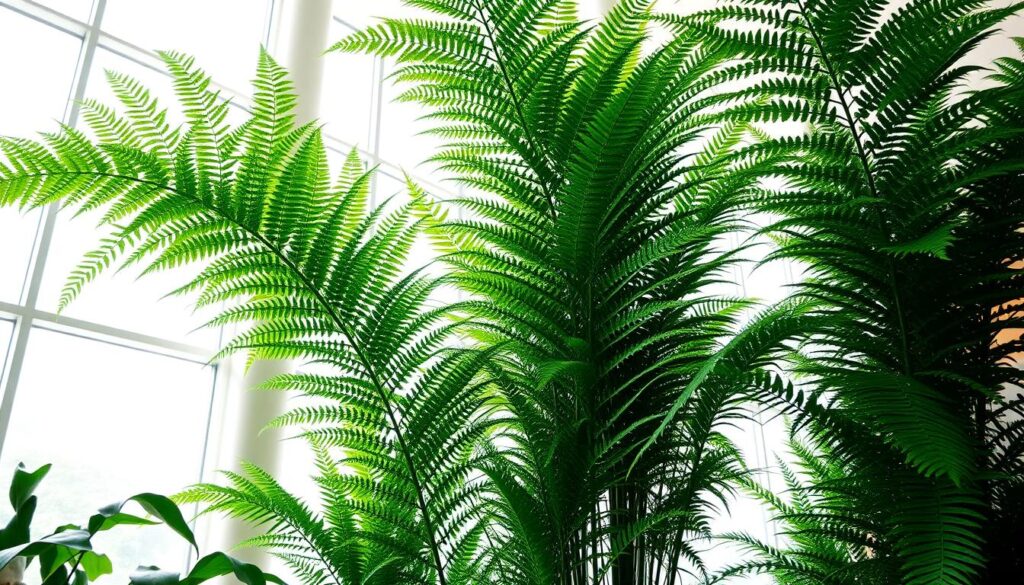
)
(6, 327)
(402, 138)
(17, 231)
(132, 395)
(142, 422)
(39, 100)
(388, 133)
(78, 9)
(223, 36)
(347, 102)
(361, 13)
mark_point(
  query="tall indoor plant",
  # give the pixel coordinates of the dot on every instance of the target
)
(602, 188)
(574, 434)
(564, 422)
(903, 199)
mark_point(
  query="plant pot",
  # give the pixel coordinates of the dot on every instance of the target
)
(14, 572)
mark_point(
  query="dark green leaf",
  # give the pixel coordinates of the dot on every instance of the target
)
(25, 483)
(161, 507)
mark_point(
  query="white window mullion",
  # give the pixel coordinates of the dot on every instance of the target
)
(48, 16)
(376, 110)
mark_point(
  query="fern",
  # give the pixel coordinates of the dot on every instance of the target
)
(833, 532)
(897, 200)
(588, 260)
(565, 423)
(308, 272)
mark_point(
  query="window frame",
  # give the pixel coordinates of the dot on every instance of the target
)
(26, 314)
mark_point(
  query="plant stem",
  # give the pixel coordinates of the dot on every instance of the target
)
(71, 574)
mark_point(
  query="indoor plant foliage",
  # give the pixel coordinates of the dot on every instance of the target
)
(318, 276)
(67, 557)
(831, 531)
(904, 200)
(589, 261)
(573, 434)
(563, 424)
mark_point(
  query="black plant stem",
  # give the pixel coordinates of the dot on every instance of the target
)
(594, 567)
(78, 562)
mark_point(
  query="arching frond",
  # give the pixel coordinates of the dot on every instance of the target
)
(308, 272)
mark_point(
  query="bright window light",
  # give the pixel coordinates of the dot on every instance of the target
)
(6, 327)
(225, 39)
(346, 105)
(77, 9)
(402, 138)
(17, 231)
(361, 13)
(114, 422)
(123, 400)
(40, 99)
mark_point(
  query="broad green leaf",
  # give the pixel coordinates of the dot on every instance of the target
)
(72, 539)
(25, 483)
(18, 529)
(209, 567)
(159, 506)
(150, 575)
(58, 576)
(122, 518)
(218, 564)
(96, 565)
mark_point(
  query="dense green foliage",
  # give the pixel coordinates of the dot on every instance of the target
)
(67, 556)
(565, 422)
(309, 272)
(829, 535)
(904, 200)
(589, 256)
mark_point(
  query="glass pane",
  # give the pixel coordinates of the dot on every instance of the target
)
(114, 422)
(17, 234)
(225, 39)
(360, 13)
(390, 188)
(119, 300)
(39, 101)
(41, 97)
(348, 89)
(402, 141)
(6, 328)
(77, 9)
